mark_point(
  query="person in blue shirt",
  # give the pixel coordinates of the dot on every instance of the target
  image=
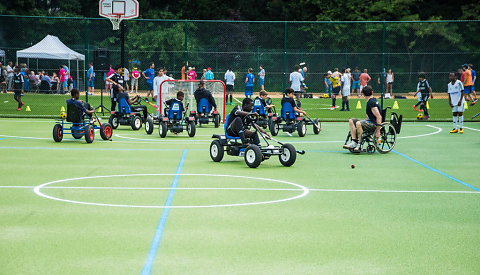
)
(474, 77)
(83, 107)
(91, 78)
(249, 80)
(149, 75)
(209, 74)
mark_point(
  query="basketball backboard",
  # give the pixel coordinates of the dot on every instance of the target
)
(124, 9)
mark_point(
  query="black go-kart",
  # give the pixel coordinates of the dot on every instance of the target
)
(253, 154)
(128, 115)
(175, 121)
(289, 122)
(205, 114)
(264, 118)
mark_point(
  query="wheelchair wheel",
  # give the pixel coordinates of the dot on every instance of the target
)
(288, 156)
(57, 132)
(191, 129)
(149, 126)
(89, 134)
(371, 149)
(162, 129)
(136, 123)
(253, 156)
(388, 138)
(113, 120)
(274, 128)
(317, 126)
(216, 151)
(106, 134)
(301, 129)
(216, 120)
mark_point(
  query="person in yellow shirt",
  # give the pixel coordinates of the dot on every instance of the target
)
(335, 79)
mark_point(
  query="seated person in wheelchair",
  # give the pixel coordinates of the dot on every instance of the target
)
(135, 108)
(236, 125)
(370, 124)
(263, 97)
(179, 99)
(289, 98)
(83, 108)
(201, 92)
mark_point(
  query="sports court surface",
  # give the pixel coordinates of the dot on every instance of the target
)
(142, 204)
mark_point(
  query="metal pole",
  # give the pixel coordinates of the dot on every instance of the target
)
(122, 46)
(285, 60)
(382, 74)
(87, 56)
(433, 67)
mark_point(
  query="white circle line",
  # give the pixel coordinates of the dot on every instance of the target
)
(305, 192)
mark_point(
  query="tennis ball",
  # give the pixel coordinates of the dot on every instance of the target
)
(353, 166)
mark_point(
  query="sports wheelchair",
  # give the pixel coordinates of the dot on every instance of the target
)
(264, 119)
(79, 126)
(128, 115)
(388, 135)
(293, 122)
(205, 114)
(253, 154)
(176, 121)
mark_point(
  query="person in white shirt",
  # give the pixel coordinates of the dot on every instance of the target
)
(10, 74)
(229, 83)
(389, 80)
(126, 77)
(296, 80)
(456, 101)
(346, 80)
(156, 85)
(261, 75)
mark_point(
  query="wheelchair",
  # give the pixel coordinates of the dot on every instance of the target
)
(288, 121)
(264, 118)
(388, 135)
(128, 115)
(252, 154)
(176, 121)
(79, 126)
(205, 114)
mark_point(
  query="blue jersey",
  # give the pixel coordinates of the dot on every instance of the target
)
(209, 75)
(90, 71)
(151, 74)
(250, 78)
(473, 76)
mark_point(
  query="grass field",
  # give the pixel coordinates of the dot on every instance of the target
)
(42, 105)
(142, 204)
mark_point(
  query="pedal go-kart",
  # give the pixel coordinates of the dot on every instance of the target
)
(128, 115)
(252, 153)
(79, 126)
(264, 119)
(205, 114)
(176, 121)
(289, 122)
(388, 135)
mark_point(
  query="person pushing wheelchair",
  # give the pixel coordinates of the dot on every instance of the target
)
(372, 122)
(236, 123)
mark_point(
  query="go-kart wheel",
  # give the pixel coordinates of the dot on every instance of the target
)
(106, 134)
(162, 129)
(216, 151)
(191, 129)
(149, 126)
(317, 126)
(57, 132)
(89, 134)
(288, 156)
(216, 120)
(274, 128)
(301, 129)
(253, 156)
(77, 134)
(113, 120)
(136, 123)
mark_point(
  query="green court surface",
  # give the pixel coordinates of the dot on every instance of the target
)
(142, 204)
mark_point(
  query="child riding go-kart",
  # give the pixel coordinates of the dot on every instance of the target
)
(130, 112)
(288, 120)
(263, 105)
(176, 120)
(244, 143)
(206, 107)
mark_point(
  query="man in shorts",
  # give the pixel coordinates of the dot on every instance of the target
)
(91, 79)
(364, 79)
(249, 80)
(372, 122)
(261, 76)
(467, 82)
(356, 81)
(335, 80)
(135, 77)
(474, 78)
(296, 80)
(346, 80)
(149, 75)
(229, 83)
(456, 101)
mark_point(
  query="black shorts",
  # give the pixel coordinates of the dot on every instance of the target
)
(229, 88)
(17, 92)
(297, 92)
(336, 90)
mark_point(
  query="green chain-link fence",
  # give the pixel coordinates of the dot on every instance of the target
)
(433, 47)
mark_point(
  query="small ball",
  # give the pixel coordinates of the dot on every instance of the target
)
(353, 166)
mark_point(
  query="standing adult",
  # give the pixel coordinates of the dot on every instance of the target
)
(209, 74)
(10, 74)
(116, 79)
(356, 81)
(126, 78)
(135, 77)
(389, 80)
(364, 79)
(91, 79)
(346, 80)
(229, 83)
(149, 75)
(18, 86)
(191, 75)
(261, 76)
(3, 78)
(249, 80)
(303, 71)
(61, 75)
(161, 76)
(474, 78)
(467, 82)
(296, 79)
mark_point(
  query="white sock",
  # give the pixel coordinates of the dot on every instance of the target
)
(461, 121)
(455, 119)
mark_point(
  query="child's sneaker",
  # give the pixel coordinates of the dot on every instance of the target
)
(351, 145)
(461, 131)
(332, 108)
(414, 107)
(473, 102)
(454, 131)
(18, 109)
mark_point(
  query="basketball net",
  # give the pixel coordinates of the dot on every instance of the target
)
(116, 20)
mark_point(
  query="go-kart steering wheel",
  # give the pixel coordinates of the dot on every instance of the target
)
(250, 118)
(269, 101)
(138, 101)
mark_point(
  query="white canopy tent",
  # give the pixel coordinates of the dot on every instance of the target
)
(52, 48)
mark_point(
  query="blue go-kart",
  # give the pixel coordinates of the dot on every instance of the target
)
(176, 121)
(253, 154)
(127, 115)
(289, 122)
(205, 114)
(80, 126)
(264, 117)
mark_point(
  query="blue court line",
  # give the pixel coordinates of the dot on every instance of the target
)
(147, 268)
(95, 149)
(2, 138)
(437, 171)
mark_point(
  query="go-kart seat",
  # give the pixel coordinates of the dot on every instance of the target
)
(258, 107)
(175, 111)
(123, 106)
(73, 114)
(288, 112)
(204, 104)
(225, 129)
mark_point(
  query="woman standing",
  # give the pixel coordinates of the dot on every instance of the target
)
(389, 80)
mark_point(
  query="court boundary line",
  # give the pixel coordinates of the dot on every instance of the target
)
(473, 129)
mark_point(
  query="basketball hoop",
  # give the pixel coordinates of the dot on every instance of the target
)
(116, 20)
(118, 10)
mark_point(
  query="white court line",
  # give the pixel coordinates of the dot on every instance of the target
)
(473, 129)
(424, 135)
(189, 140)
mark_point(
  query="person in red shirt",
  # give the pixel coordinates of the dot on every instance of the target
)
(364, 79)
(61, 76)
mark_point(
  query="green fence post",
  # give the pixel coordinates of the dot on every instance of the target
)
(87, 57)
(382, 74)
(285, 60)
(433, 67)
(186, 46)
